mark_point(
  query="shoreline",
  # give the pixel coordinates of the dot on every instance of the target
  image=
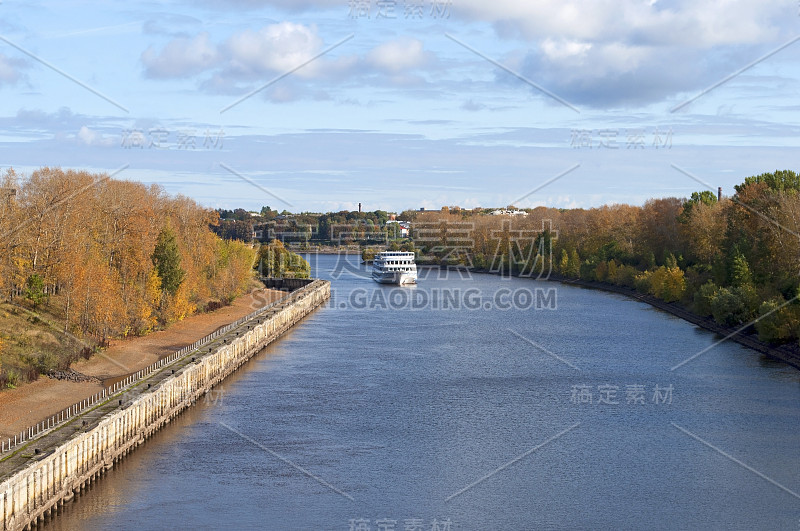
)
(326, 250)
(787, 353)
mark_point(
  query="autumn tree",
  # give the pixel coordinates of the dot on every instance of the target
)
(574, 267)
(233, 269)
(703, 224)
(9, 233)
(658, 227)
(563, 263)
(667, 283)
(777, 181)
(274, 260)
(704, 197)
(778, 320)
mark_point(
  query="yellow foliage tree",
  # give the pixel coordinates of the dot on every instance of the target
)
(91, 239)
(667, 283)
(601, 271)
(179, 307)
(612, 271)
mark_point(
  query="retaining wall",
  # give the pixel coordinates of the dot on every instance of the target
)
(54, 474)
(286, 284)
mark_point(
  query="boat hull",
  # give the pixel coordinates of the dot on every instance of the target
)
(394, 277)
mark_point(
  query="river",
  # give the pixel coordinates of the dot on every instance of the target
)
(473, 402)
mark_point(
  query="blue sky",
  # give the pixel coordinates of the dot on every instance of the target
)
(404, 104)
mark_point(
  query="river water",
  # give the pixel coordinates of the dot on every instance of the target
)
(473, 402)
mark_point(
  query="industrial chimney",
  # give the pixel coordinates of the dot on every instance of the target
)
(719, 194)
(359, 205)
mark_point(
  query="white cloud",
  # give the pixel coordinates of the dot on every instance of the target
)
(274, 48)
(181, 57)
(610, 52)
(399, 55)
(580, 61)
(87, 136)
(559, 50)
(245, 54)
(90, 137)
(696, 23)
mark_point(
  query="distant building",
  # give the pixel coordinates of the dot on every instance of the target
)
(504, 212)
(403, 227)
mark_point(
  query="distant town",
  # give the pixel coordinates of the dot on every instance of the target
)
(306, 229)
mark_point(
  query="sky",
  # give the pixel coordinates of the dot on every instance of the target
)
(318, 105)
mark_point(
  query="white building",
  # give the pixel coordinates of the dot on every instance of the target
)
(503, 212)
(403, 227)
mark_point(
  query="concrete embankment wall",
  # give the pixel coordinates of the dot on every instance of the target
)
(55, 474)
(286, 284)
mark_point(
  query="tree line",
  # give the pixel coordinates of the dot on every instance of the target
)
(113, 258)
(333, 227)
(736, 260)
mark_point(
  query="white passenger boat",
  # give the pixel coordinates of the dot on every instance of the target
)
(394, 267)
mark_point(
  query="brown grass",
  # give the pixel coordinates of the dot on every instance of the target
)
(33, 344)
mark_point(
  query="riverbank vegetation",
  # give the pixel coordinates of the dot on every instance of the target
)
(87, 258)
(96, 258)
(736, 260)
(274, 260)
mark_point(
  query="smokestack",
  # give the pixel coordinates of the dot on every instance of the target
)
(719, 194)
(359, 205)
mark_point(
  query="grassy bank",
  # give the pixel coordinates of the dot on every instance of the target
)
(32, 344)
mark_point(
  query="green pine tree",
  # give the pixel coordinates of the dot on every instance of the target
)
(563, 264)
(167, 261)
(34, 291)
(575, 264)
(740, 271)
